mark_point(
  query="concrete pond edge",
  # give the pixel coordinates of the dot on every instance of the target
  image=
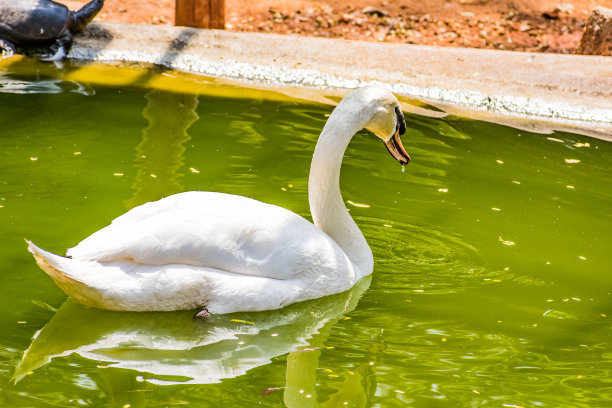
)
(557, 91)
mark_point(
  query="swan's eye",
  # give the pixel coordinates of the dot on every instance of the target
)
(400, 125)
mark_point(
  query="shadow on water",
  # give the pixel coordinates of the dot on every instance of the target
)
(171, 348)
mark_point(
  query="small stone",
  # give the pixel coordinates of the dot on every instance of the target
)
(565, 8)
(374, 11)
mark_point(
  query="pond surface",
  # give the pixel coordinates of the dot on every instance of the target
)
(491, 285)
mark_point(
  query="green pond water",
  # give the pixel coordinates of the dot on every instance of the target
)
(493, 251)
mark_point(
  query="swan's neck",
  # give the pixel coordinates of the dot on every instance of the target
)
(326, 205)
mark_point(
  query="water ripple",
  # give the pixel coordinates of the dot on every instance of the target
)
(422, 258)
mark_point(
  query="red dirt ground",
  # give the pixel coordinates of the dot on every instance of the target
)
(522, 25)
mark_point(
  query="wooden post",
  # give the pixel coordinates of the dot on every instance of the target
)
(200, 13)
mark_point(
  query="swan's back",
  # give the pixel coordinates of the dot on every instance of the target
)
(221, 231)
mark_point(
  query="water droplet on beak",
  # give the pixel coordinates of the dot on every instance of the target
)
(403, 168)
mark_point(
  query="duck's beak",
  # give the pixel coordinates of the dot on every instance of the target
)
(394, 144)
(395, 147)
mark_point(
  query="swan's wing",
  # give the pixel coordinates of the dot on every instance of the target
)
(227, 232)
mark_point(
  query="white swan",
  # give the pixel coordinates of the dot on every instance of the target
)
(229, 253)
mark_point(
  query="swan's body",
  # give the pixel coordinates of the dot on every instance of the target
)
(177, 253)
(229, 253)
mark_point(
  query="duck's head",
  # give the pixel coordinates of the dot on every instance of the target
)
(382, 114)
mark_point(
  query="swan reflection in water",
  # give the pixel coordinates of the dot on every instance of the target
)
(171, 348)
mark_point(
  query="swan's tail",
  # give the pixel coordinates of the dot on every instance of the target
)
(125, 285)
(59, 269)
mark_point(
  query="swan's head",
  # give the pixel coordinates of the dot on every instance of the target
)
(380, 110)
